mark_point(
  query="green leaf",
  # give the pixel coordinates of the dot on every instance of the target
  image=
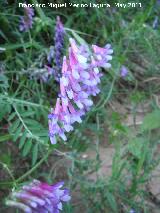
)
(39, 10)
(11, 46)
(17, 133)
(11, 116)
(3, 81)
(33, 123)
(34, 153)
(151, 120)
(112, 201)
(4, 109)
(22, 140)
(135, 146)
(5, 158)
(5, 137)
(5, 37)
(14, 126)
(78, 38)
(41, 133)
(29, 113)
(27, 147)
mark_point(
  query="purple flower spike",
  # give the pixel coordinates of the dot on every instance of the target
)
(123, 71)
(80, 79)
(26, 21)
(39, 197)
(59, 42)
(56, 53)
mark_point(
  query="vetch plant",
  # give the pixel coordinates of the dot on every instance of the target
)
(39, 197)
(80, 79)
(110, 160)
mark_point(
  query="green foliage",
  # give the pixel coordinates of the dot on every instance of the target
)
(25, 103)
(27, 130)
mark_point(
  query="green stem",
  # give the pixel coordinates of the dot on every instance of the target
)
(108, 96)
(35, 167)
(19, 101)
(8, 170)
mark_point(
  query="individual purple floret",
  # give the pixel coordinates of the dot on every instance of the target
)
(123, 71)
(56, 53)
(103, 55)
(80, 79)
(26, 21)
(39, 197)
(51, 71)
(132, 211)
(155, 23)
